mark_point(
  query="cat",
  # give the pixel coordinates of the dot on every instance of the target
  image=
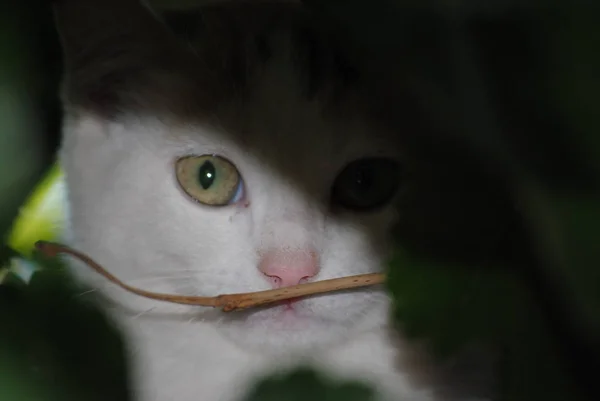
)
(227, 149)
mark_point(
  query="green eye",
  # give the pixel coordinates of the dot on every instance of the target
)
(211, 180)
(366, 184)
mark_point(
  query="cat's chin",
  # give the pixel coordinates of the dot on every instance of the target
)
(292, 328)
(277, 329)
(285, 318)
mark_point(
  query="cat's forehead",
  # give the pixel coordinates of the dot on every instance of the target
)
(277, 120)
(263, 74)
(204, 63)
(237, 41)
(292, 93)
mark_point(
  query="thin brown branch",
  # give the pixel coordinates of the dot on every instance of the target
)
(228, 302)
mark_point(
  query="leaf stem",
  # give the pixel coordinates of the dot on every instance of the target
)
(228, 302)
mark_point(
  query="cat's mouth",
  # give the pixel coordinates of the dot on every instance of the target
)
(288, 296)
(290, 305)
(290, 302)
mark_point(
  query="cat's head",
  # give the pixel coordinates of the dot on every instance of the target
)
(237, 159)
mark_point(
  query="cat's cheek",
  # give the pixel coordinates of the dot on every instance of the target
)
(241, 211)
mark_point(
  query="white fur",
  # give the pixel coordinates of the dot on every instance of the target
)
(127, 212)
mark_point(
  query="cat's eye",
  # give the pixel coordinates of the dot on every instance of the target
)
(211, 180)
(366, 184)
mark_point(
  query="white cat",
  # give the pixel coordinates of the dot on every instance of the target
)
(236, 158)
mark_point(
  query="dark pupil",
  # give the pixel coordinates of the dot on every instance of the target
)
(206, 174)
(366, 184)
(364, 180)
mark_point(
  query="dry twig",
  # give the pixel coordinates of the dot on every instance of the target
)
(228, 302)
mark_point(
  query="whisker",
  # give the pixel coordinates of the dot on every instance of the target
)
(134, 349)
(182, 270)
(228, 302)
(159, 277)
(86, 292)
(143, 313)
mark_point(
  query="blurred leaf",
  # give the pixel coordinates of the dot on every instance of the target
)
(453, 306)
(517, 82)
(306, 384)
(574, 78)
(41, 217)
(483, 72)
(566, 223)
(28, 94)
(567, 230)
(64, 345)
(14, 384)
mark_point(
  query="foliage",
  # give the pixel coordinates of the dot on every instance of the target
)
(305, 384)
(63, 347)
(453, 306)
(517, 82)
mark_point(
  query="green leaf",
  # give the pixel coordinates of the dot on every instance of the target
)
(567, 231)
(306, 384)
(453, 306)
(14, 381)
(64, 345)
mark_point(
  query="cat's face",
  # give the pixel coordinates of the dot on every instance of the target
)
(274, 191)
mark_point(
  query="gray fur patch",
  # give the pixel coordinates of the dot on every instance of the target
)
(121, 59)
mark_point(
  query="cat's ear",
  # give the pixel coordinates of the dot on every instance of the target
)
(120, 58)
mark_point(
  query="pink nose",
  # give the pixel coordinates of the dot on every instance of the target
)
(285, 268)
